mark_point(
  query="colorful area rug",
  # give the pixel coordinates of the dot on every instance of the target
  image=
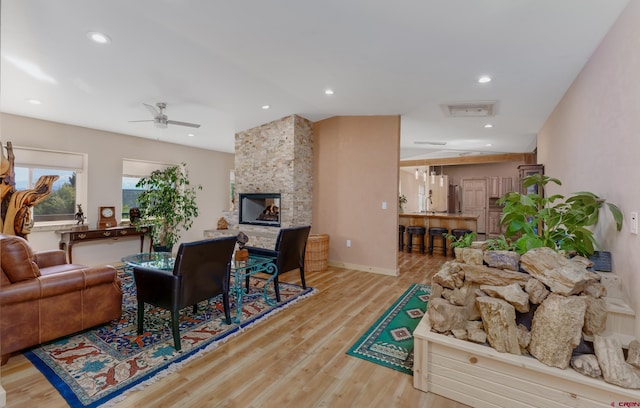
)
(100, 365)
(389, 342)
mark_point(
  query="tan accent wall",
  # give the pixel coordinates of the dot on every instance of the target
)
(356, 170)
(591, 142)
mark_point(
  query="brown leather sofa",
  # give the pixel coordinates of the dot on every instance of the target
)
(42, 297)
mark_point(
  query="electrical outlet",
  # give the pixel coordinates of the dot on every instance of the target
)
(348, 243)
(634, 223)
(384, 205)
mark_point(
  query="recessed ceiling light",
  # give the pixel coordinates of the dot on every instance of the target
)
(190, 134)
(34, 101)
(265, 107)
(484, 79)
(328, 91)
(488, 145)
(98, 38)
(488, 125)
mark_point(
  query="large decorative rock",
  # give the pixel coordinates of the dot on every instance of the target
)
(502, 259)
(436, 291)
(450, 275)
(633, 354)
(524, 337)
(536, 290)
(586, 364)
(556, 329)
(557, 272)
(492, 276)
(472, 256)
(611, 359)
(477, 336)
(511, 293)
(499, 319)
(465, 296)
(444, 316)
(595, 317)
(596, 290)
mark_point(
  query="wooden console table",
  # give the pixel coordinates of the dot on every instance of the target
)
(70, 237)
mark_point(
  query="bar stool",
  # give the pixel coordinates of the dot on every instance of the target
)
(435, 232)
(419, 232)
(400, 237)
(458, 233)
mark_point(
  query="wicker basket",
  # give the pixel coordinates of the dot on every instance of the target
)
(317, 253)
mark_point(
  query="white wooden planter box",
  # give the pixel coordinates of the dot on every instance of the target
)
(480, 376)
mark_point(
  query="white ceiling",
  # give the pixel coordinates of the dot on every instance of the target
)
(217, 62)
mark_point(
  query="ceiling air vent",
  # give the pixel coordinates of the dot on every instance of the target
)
(469, 109)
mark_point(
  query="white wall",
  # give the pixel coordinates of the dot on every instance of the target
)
(591, 142)
(105, 153)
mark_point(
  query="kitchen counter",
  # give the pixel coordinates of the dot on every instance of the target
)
(445, 220)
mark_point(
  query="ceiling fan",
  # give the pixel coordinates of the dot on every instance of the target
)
(160, 119)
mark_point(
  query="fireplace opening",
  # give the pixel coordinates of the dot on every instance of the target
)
(260, 209)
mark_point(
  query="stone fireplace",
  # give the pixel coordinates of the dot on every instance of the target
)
(259, 209)
(274, 158)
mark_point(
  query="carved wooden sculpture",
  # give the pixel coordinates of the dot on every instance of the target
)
(16, 205)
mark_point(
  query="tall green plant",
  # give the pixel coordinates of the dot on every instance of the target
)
(554, 222)
(168, 203)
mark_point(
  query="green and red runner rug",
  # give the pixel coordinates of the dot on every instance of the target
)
(389, 341)
(100, 365)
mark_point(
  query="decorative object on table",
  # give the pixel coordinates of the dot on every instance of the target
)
(107, 217)
(242, 254)
(134, 215)
(16, 205)
(223, 224)
(83, 378)
(79, 217)
(168, 204)
(554, 222)
(402, 200)
(389, 341)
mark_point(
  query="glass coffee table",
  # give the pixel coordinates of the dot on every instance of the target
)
(240, 270)
(157, 260)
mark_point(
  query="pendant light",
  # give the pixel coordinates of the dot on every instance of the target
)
(441, 177)
(417, 173)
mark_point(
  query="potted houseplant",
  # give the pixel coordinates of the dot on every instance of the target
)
(560, 223)
(168, 205)
(460, 242)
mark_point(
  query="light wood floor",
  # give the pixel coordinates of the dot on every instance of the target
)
(296, 358)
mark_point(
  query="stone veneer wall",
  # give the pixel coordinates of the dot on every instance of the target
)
(275, 157)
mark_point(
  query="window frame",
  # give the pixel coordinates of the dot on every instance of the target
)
(35, 158)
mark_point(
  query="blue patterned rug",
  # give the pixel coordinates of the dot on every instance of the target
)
(389, 342)
(102, 364)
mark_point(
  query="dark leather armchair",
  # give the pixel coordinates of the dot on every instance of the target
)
(201, 271)
(289, 253)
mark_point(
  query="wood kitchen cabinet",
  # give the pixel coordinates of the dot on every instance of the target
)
(498, 186)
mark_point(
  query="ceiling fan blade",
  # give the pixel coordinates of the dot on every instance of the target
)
(151, 109)
(175, 122)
